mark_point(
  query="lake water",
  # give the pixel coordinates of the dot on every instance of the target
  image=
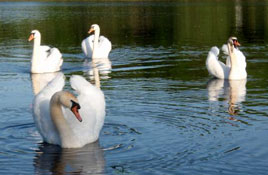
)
(165, 115)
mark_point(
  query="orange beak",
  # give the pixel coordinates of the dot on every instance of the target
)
(31, 37)
(76, 113)
(91, 30)
(236, 43)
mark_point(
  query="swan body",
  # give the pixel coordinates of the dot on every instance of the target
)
(66, 120)
(44, 58)
(235, 67)
(99, 44)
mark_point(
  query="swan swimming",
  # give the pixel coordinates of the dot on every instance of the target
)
(99, 44)
(66, 120)
(235, 67)
(44, 58)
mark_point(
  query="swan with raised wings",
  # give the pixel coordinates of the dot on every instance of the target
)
(100, 44)
(66, 120)
(44, 58)
(235, 67)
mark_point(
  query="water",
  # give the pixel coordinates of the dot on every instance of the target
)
(165, 115)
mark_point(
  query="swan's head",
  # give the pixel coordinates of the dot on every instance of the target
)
(34, 34)
(68, 100)
(93, 28)
(233, 41)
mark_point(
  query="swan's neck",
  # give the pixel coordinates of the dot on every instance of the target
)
(36, 48)
(95, 69)
(65, 132)
(232, 55)
(96, 42)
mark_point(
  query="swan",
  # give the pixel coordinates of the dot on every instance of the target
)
(95, 45)
(44, 58)
(235, 67)
(66, 120)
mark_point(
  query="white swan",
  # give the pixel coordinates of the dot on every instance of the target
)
(66, 120)
(95, 45)
(235, 68)
(44, 58)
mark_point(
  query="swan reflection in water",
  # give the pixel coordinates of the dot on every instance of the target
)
(104, 66)
(234, 91)
(39, 81)
(52, 159)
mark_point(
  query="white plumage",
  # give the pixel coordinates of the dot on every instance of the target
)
(44, 58)
(235, 67)
(92, 103)
(103, 47)
(95, 45)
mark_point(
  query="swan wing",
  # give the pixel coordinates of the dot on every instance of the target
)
(92, 102)
(105, 46)
(49, 60)
(224, 49)
(216, 67)
(241, 58)
(54, 59)
(41, 110)
(44, 48)
(87, 46)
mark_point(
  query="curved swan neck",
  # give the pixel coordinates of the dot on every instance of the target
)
(96, 42)
(35, 56)
(232, 55)
(64, 130)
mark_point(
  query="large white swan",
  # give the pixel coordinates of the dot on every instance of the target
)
(100, 44)
(235, 67)
(44, 58)
(66, 120)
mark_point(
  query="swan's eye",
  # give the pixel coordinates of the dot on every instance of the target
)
(234, 41)
(74, 104)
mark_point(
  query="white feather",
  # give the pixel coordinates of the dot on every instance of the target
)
(92, 102)
(103, 49)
